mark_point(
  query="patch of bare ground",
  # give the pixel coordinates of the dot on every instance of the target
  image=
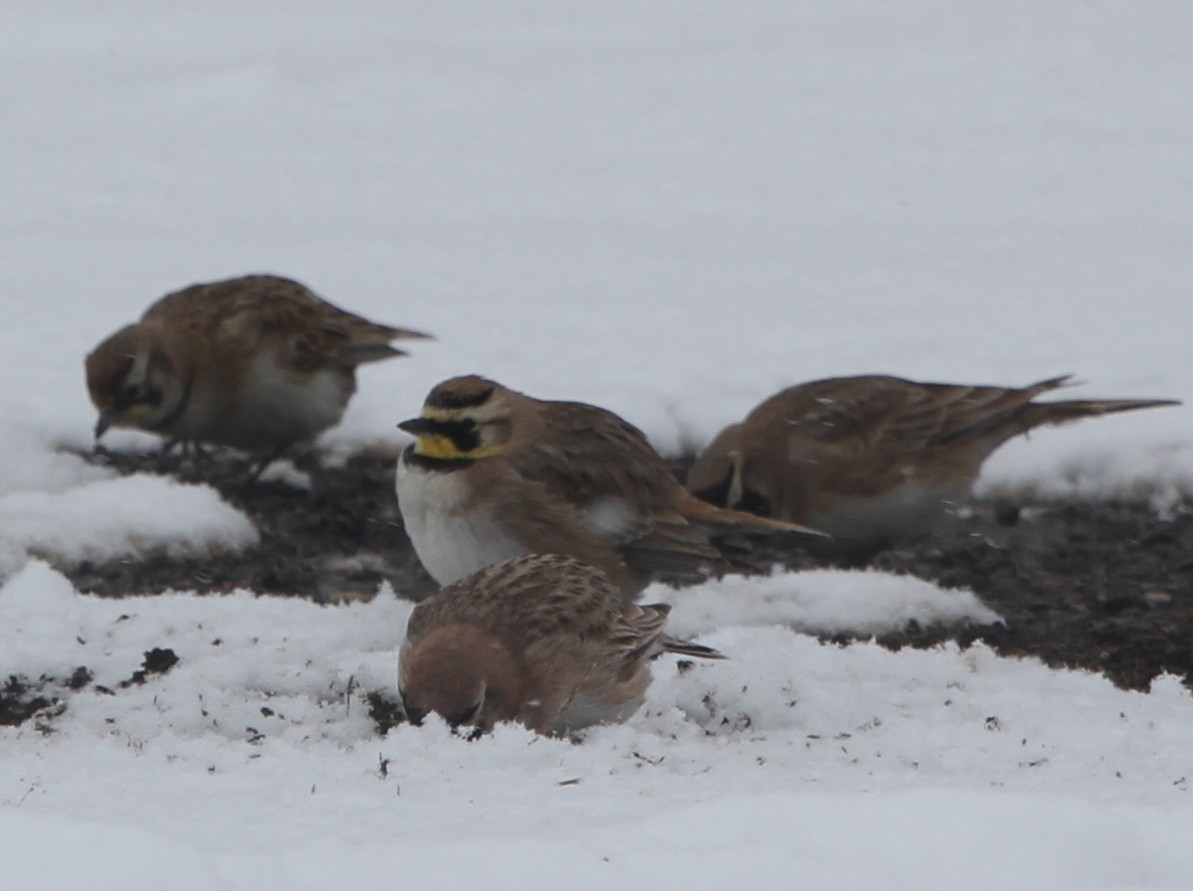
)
(1101, 586)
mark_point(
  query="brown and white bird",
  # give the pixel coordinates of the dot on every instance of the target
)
(257, 362)
(874, 460)
(543, 639)
(494, 474)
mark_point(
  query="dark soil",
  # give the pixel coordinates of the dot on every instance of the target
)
(338, 541)
(21, 699)
(1101, 586)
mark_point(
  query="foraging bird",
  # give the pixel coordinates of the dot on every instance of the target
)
(543, 639)
(494, 474)
(257, 362)
(874, 460)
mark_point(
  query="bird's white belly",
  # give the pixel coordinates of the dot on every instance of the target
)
(585, 711)
(274, 407)
(452, 539)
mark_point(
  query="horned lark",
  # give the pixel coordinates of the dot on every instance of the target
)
(257, 362)
(495, 474)
(874, 460)
(543, 639)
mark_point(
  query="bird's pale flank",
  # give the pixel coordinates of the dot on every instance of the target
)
(494, 473)
(258, 363)
(545, 640)
(874, 460)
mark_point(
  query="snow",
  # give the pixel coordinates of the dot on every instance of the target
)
(128, 517)
(822, 602)
(253, 762)
(669, 210)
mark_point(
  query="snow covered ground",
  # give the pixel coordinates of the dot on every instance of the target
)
(670, 210)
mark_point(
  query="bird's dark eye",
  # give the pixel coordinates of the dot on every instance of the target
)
(718, 493)
(121, 372)
(467, 716)
(755, 503)
(413, 715)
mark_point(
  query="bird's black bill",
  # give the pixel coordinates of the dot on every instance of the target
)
(419, 426)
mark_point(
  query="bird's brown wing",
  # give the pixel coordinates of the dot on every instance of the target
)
(587, 454)
(889, 415)
(254, 309)
(854, 415)
(535, 596)
(607, 471)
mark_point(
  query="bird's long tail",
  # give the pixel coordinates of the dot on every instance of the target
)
(687, 648)
(723, 520)
(1038, 413)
